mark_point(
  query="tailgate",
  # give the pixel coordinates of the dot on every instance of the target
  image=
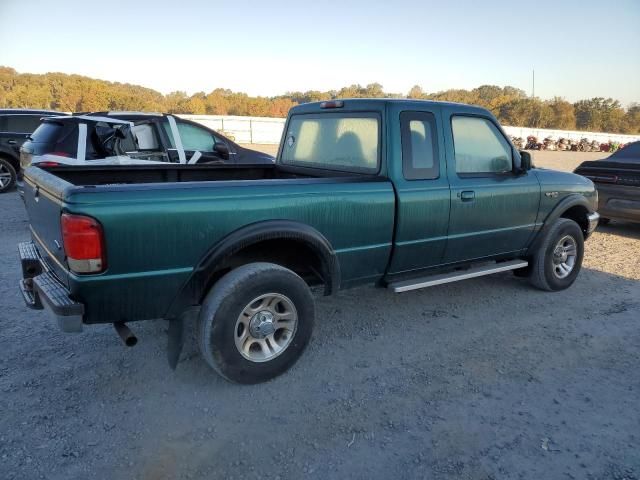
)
(44, 207)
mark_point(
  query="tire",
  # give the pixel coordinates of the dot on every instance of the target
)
(232, 343)
(7, 175)
(548, 272)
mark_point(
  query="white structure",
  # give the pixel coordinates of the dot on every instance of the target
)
(243, 129)
(542, 133)
(269, 130)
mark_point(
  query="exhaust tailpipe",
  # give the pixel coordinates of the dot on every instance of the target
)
(125, 334)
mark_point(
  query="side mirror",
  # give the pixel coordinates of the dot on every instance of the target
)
(222, 149)
(525, 161)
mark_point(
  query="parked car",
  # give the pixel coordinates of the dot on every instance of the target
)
(617, 179)
(16, 124)
(88, 140)
(403, 194)
(150, 138)
(195, 137)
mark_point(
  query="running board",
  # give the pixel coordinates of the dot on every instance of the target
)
(432, 280)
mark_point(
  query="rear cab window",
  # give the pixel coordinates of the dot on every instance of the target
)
(348, 142)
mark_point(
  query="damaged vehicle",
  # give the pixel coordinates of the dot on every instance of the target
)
(401, 194)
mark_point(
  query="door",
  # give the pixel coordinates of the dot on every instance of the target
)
(14, 131)
(493, 208)
(418, 168)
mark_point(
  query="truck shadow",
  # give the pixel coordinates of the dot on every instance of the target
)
(455, 363)
(619, 227)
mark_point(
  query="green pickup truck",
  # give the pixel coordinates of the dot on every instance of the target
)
(402, 194)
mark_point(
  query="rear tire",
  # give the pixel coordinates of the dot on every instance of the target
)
(556, 264)
(7, 175)
(255, 322)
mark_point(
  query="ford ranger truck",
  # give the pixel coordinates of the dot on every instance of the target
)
(402, 194)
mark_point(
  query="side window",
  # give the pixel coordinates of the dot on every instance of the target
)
(479, 146)
(145, 136)
(419, 146)
(22, 123)
(195, 138)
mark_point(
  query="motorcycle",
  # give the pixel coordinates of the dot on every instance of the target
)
(564, 144)
(518, 142)
(584, 145)
(532, 143)
(549, 144)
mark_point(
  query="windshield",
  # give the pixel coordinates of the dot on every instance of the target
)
(333, 141)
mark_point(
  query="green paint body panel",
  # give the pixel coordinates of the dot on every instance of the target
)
(381, 227)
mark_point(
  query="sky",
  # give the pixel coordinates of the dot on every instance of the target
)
(579, 49)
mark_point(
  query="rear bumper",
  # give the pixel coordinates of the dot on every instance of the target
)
(41, 289)
(619, 202)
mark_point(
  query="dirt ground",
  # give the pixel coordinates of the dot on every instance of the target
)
(482, 379)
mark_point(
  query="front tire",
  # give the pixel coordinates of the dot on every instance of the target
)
(255, 322)
(7, 175)
(556, 264)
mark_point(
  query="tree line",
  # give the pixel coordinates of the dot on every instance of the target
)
(512, 106)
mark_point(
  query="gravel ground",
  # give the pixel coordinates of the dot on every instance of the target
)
(486, 378)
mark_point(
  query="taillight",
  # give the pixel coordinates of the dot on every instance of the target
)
(46, 164)
(332, 104)
(83, 241)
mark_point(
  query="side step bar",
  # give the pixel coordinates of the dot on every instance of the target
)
(431, 280)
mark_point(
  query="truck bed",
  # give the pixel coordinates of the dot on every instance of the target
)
(160, 222)
(171, 173)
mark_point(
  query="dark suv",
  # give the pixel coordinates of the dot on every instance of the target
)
(15, 127)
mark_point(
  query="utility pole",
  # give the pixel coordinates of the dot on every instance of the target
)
(533, 89)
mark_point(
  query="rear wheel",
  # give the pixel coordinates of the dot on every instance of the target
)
(255, 322)
(7, 175)
(557, 262)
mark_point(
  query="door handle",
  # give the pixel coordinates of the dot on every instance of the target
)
(11, 142)
(467, 195)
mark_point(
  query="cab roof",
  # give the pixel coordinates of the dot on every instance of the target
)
(351, 104)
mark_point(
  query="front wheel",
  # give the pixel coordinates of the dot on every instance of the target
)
(7, 175)
(255, 322)
(556, 264)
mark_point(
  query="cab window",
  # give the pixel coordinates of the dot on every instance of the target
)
(333, 141)
(419, 146)
(479, 147)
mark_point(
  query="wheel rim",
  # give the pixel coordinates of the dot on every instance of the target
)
(565, 254)
(5, 176)
(266, 327)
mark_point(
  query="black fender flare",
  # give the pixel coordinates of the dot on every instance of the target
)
(570, 201)
(193, 290)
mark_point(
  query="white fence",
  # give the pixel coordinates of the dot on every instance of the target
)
(269, 130)
(243, 129)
